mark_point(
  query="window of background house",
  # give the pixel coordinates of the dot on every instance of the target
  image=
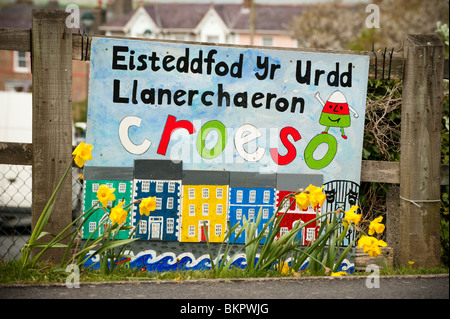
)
(21, 63)
(267, 41)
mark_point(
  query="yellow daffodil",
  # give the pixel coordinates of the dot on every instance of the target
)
(118, 215)
(302, 200)
(105, 194)
(316, 195)
(147, 205)
(351, 216)
(338, 274)
(371, 245)
(284, 268)
(376, 226)
(82, 153)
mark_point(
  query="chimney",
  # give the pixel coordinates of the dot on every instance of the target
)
(53, 4)
(246, 6)
(122, 7)
(116, 8)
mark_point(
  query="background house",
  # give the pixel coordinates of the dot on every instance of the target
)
(119, 178)
(203, 22)
(204, 202)
(160, 178)
(288, 184)
(341, 194)
(250, 193)
(15, 66)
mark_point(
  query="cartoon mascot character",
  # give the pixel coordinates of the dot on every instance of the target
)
(335, 112)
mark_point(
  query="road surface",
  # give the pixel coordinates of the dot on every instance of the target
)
(347, 287)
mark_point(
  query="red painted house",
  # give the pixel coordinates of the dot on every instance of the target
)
(289, 184)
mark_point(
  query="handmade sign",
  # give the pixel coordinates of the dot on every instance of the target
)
(217, 132)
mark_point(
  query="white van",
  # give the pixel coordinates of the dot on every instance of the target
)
(15, 180)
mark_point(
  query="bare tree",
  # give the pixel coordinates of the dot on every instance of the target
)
(335, 25)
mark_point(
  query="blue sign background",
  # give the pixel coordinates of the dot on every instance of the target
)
(147, 121)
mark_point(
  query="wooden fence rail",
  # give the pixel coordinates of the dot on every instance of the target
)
(420, 173)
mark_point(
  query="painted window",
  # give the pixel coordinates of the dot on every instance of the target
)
(169, 203)
(92, 226)
(205, 193)
(191, 232)
(265, 213)
(239, 196)
(238, 229)
(286, 205)
(170, 225)
(191, 193)
(205, 209)
(219, 193)
(95, 187)
(266, 232)
(191, 210)
(266, 198)
(219, 209)
(239, 214)
(252, 196)
(143, 227)
(158, 203)
(159, 186)
(251, 213)
(218, 230)
(171, 187)
(283, 230)
(146, 186)
(122, 187)
(310, 234)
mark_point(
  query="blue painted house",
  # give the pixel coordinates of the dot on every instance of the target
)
(250, 192)
(162, 179)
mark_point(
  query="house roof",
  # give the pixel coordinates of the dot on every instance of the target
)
(189, 15)
(17, 16)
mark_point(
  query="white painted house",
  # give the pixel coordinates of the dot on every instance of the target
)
(216, 23)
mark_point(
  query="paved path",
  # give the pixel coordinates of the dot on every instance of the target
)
(351, 287)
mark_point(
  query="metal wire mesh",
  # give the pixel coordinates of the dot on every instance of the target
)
(15, 206)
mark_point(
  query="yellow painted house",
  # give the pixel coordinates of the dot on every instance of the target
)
(204, 202)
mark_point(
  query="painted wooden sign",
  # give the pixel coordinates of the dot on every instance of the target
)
(227, 108)
(219, 132)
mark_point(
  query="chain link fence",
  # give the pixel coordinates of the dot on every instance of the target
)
(15, 206)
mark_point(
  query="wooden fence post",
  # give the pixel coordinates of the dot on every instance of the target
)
(51, 53)
(420, 166)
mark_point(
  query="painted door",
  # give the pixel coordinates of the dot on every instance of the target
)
(155, 225)
(201, 231)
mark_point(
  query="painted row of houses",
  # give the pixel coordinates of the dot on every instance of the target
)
(192, 202)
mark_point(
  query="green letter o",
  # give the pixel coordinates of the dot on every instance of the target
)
(221, 141)
(330, 140)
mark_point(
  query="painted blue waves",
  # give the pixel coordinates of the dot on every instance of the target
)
(150, 261)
